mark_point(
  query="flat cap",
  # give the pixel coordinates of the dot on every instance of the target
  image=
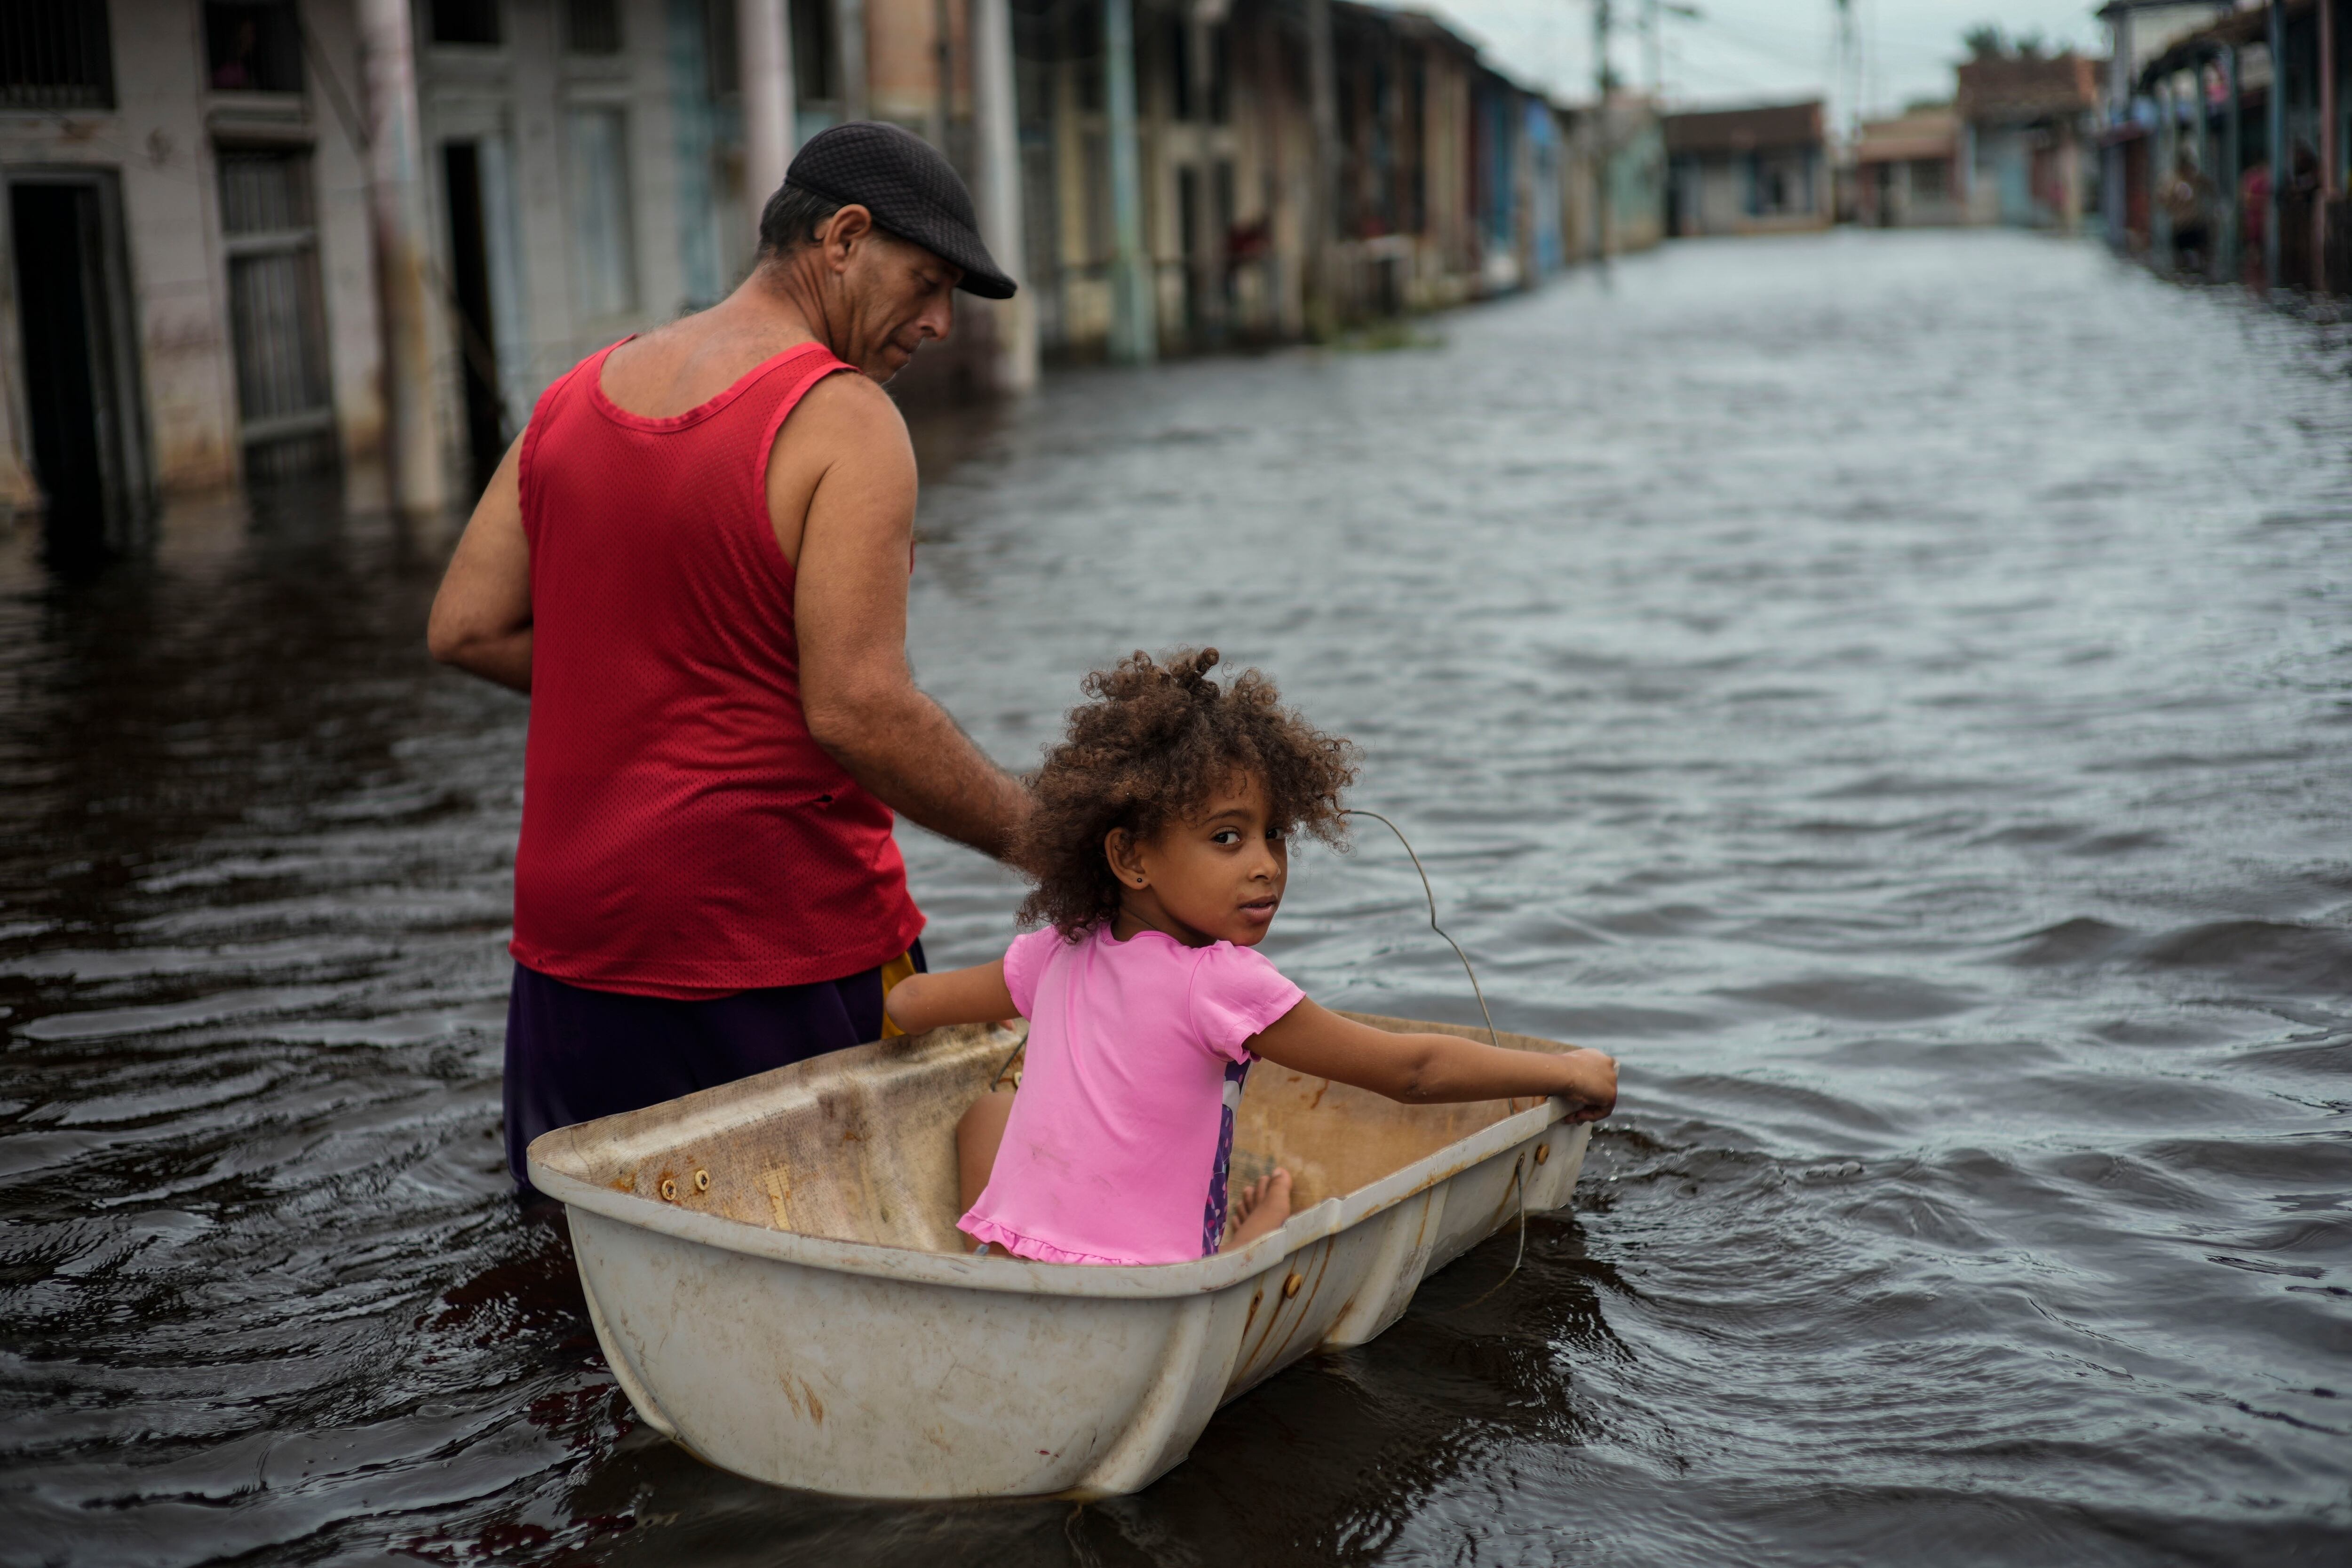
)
(909, 187)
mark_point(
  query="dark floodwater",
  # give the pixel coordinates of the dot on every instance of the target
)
(1894, 691)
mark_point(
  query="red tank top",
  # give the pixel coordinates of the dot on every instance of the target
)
(682, 834)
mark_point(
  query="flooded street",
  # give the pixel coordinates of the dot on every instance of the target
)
(1895, 692)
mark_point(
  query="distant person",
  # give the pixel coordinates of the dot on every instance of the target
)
(694, 560)
(2188, 200)
(1160, 843)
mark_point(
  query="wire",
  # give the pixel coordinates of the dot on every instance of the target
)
(1518, 1179)
(1519, 1164)
(1432, 897)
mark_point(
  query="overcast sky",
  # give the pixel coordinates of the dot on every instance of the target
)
(1755, 49)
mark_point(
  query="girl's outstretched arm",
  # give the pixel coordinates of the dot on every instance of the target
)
(974, 995)
(1433, 1070)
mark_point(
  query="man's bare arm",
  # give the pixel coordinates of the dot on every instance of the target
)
(481, 616)
(849, 606)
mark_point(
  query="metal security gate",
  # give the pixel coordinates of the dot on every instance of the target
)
(285, 405)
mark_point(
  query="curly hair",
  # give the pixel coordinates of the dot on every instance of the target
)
(1153, 748)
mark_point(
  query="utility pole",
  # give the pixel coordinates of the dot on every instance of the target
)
(1849, 72)
(1601, 78)
(1653, 49)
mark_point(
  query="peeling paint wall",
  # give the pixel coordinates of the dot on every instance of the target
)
(160, 142)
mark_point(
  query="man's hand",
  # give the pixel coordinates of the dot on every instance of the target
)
(481, 616)
(841, 493)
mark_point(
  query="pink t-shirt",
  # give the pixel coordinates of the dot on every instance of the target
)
(1116, 1147)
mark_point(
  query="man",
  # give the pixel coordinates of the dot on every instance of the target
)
(694, 560)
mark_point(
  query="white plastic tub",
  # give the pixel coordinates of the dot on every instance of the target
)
(774, 1270)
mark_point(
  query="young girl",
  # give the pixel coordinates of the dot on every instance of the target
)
(1158, 838)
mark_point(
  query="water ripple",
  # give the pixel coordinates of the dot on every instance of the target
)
(1891, 689)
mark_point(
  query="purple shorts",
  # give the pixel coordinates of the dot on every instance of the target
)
(573, 1053)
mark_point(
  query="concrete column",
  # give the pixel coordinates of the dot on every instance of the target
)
(996, 150)
(764, 46)
(2164, 155)
(1204, 305)
(2281, 164)
(2329, 175)
(1134, 320)
(849, 27)
(2070, 180)
(415, 468)
(2200, 105)
(1323, 205)
(19, 493)
(936, 118)
(2234, 158)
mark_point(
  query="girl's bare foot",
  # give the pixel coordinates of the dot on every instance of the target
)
(1260, 1210)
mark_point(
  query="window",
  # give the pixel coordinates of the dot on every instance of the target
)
(264, 194)
(54, 54)
(1927, 179)
(465, 22)
(603, 271)
(593, 27)
(252, 46)
(276, 315)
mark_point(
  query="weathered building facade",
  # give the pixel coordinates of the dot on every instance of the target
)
(2228, 139)
(2027, 120)
(1764, 170)
(243, 232)
(189, 284)
(1911, 171)
(248, 239)
(1274, 197)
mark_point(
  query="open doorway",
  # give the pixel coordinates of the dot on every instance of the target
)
(470, 281)
(80, 380)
